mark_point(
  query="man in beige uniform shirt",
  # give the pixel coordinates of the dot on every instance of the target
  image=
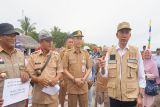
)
(11, 60)
(63, 80)
(77, 66)
(47, 77)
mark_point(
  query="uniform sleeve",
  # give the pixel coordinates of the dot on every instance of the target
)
(21, 61)
(30, 66)
(61, 54)
(141, 74)
(59, 65)
(65, 61)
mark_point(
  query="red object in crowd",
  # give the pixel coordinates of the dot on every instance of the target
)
(26, 103)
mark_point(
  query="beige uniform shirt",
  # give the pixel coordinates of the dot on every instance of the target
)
(54, 66)
(64, 77)
(77, 64)
(101, 83)
(11, 66)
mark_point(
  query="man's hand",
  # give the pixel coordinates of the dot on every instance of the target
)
(79, 82)
(150, 76)
(53, 82)
(101, 62)
(43, 81)
(62, 83)
(139, 102)
(1, 102)
(24, 76)
(90, 83)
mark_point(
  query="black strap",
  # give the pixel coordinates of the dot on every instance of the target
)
(48, 59)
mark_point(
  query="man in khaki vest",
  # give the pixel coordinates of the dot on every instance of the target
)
(77, 66)
(12, 63)
(49, 76)
(101, 89)
(124, 71)
(63, 80)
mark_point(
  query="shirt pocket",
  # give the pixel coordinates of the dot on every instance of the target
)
(2, 68)
(132, 70)
(72, 61)
(112, 70)
(52, 67)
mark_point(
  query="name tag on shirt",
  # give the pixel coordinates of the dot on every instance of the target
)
(36, 63)
(112, 62)
(132, 60)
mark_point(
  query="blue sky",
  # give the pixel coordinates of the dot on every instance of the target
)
(97, 19)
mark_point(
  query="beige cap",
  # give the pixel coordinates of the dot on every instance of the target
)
(123, 25)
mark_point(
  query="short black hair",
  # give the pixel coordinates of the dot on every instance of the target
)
(157, 49)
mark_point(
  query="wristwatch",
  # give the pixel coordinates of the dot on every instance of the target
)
(141, 95)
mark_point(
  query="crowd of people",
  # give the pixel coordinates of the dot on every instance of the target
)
(118, 76)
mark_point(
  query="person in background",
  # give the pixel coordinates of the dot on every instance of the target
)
(142, 53)
(157, 59)
(90, 81)
(1, 102)
(156, 102)
(101, 85)
(151, 73)
(63, 79)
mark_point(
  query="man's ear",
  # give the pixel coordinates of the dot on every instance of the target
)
(117, 34)
(129, 35)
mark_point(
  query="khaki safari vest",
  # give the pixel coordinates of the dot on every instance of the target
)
(126, 88)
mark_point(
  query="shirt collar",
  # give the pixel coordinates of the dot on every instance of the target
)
(41, 52)
(76, 51)
(118, 48)
(1, 49)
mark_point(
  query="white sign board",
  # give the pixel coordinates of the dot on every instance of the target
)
(15, 91)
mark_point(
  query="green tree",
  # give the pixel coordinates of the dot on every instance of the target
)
(34, 35)
(59, 37)
(26, 25)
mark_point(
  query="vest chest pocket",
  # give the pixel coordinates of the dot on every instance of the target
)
(132, 70)
(111, 87)
(112, 70)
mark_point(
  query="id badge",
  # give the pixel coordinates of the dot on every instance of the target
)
(83, 68)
